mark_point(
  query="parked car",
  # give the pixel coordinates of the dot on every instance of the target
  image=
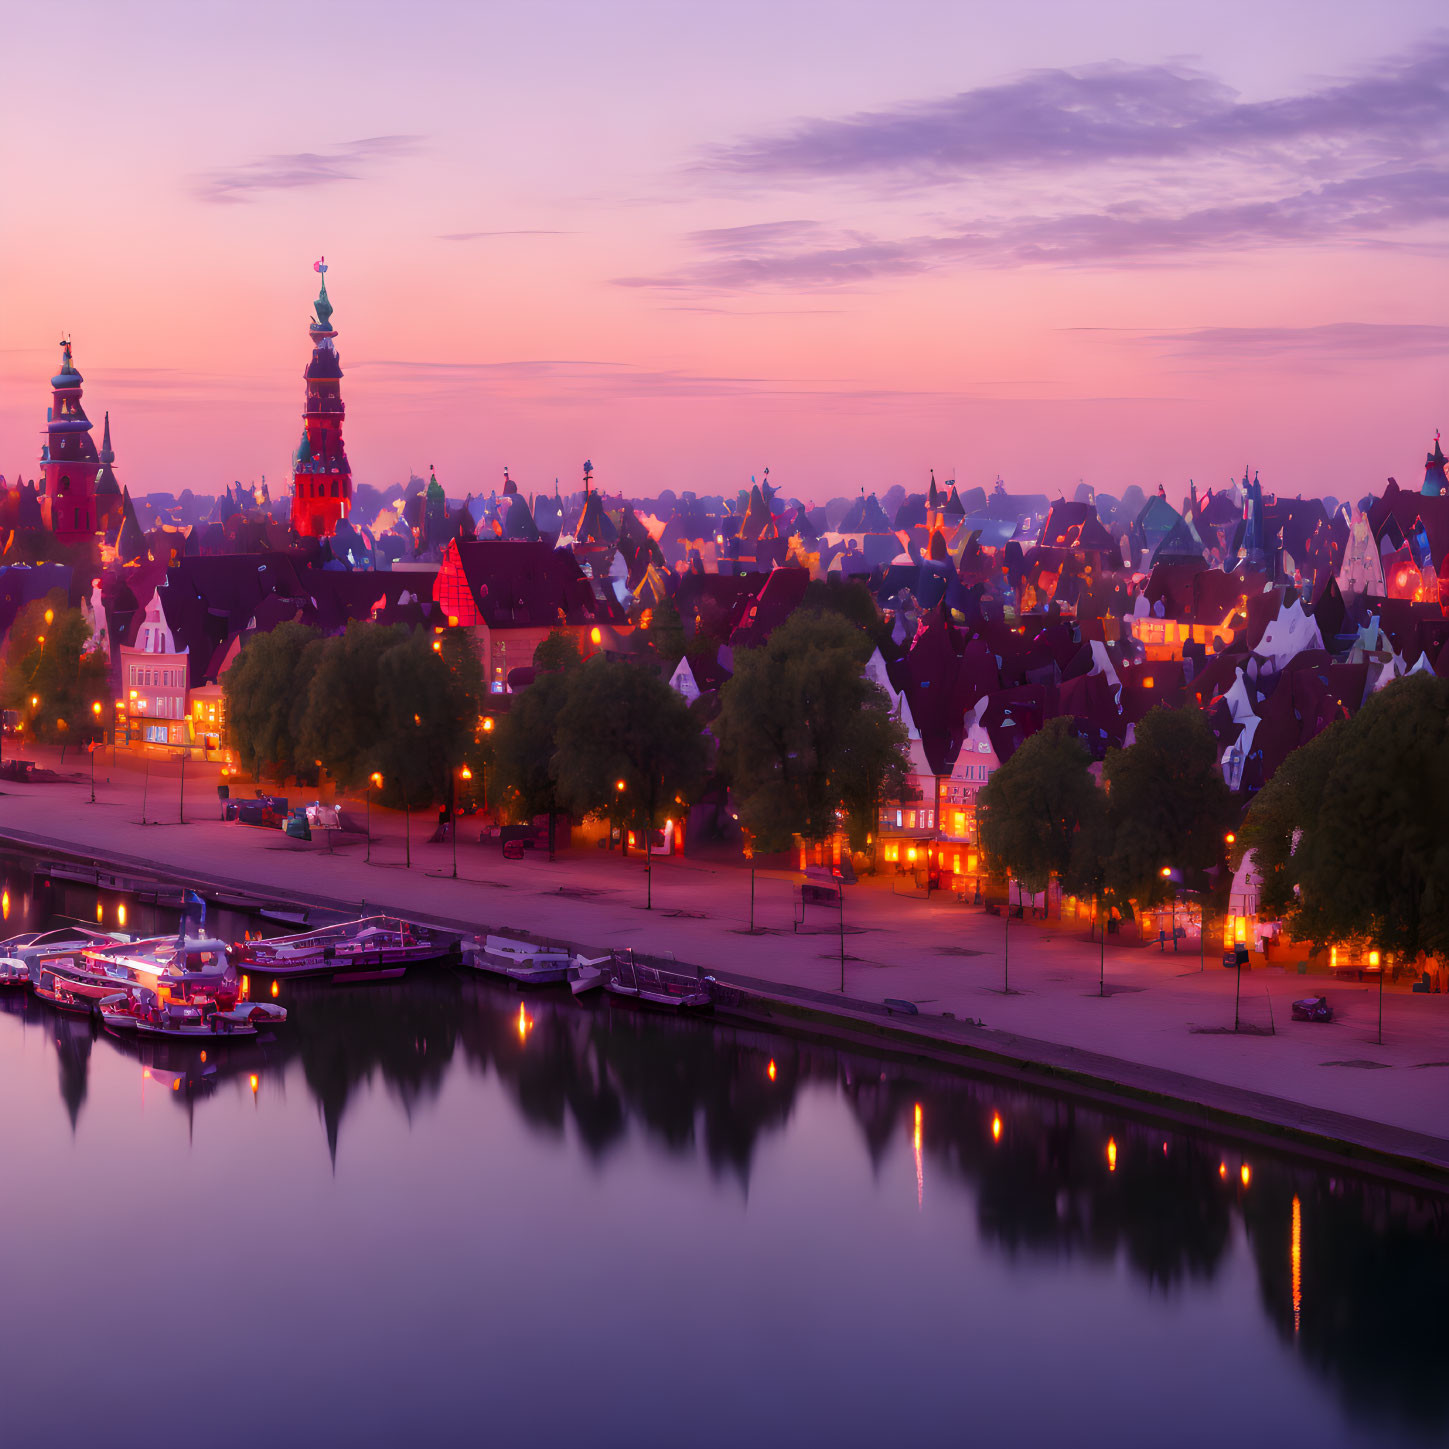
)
(1312, 1008)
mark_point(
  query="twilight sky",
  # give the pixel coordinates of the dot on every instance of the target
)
(1121, 242)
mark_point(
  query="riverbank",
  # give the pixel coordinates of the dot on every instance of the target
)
(1161, 1035)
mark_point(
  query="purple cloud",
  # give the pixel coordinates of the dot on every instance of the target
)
(1328, 342)
(1111, 113)
(1365, 210)
(348, 162)
(467, 236)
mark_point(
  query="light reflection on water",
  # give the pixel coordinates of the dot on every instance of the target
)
(436, 1212)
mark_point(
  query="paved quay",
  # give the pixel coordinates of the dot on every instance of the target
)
(1163, 1030)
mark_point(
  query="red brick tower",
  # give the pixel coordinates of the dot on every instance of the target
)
(69, 457)
(321, 477)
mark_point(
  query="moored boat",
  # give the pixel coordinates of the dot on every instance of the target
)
(199, 1020)
(656, 985)
(184, 967)
(587, 974)
(371, 949)
(14, 971)
(521, 962)
(60, 952)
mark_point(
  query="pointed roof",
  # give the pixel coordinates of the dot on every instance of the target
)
(106, 479)
(130, 541)
(1435, 481)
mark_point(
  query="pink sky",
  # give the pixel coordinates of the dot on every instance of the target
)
(1120, 243)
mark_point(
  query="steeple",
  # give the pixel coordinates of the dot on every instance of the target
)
(69, 456)
(1435, 481)
(321, 474)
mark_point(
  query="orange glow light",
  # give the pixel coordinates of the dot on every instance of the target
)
(1297, 1262)
(996, 1127)
(1111, 1154)
(121, 914)
(1223, 1170)
(920, 1163)
(596, 636)
(5, 905)
(274, 990)
(525, 1022)
(1246, 1174)
(770, 1070)
(255, 1084)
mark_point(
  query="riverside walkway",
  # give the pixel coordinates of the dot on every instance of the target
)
(1163, 1029)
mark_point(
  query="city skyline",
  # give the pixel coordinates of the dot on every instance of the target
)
(1033, 247)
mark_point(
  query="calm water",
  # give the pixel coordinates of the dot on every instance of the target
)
(419, 1217)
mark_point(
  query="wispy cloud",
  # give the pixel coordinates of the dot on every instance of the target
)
(1095, 166)
(1329, 342)
(1105, 114)
(350, 161)
(467, 236)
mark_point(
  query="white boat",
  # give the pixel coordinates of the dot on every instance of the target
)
(521, 962)
(14, 971)
(588, 974)
(190, 1021)
(374, 948)
(58, 954)
(656, 986)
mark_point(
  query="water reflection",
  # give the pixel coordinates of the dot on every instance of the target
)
(1352, 1275)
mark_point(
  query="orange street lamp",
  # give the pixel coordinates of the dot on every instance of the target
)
(374, 780)
(488, 725)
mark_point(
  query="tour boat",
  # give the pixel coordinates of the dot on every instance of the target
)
(654, 986)
(181, 967)
(375, 948)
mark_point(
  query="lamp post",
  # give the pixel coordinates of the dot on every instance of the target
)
(96, 715)
(181, 793)
(483, 765)
(145, 789)
(619, 788)
(373, 779)
(1006, 942)
(453, 814)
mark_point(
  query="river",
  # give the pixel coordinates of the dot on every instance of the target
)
(437, 1212)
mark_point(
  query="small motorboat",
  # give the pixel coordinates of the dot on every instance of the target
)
(118, 1013)
(258, 1014)
(60, 994)
(61, 952)
(14, 971)
(657, 986)
(588, 974)
(372, 949)
(521, 962)
(191, 1021)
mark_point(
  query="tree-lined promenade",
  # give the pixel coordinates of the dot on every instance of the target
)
(1161, 1016)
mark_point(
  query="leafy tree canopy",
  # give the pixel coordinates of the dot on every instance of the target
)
(1035, 806)
(622, 723)
(1349, 834)
(266, 698)
(1167, 804)
(52, 662)
(804, 734)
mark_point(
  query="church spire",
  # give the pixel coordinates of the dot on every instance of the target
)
(321, 474)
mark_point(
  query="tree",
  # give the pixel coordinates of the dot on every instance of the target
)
(804, 734)
(1035, 806)
(426, 719)
(1349, 833)
(622, 725)
(559, 651)
(50, 659)
(266, 698)
(525, 743)
(1168, 806)
(340, 725)
(664, 631)
(852, 600)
